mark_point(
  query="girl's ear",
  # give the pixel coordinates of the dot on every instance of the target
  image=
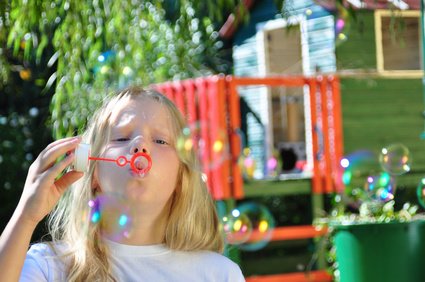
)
(94, 182)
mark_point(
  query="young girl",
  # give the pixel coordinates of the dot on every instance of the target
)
(174, 232)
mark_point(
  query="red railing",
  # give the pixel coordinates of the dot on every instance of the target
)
(213, 102)
(312, 276)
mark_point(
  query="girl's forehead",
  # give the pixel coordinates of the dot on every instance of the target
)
(141, 108)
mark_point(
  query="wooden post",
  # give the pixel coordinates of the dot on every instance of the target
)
(316, 181)
(235, 138)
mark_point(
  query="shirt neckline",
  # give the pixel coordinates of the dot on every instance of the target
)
(136, 251)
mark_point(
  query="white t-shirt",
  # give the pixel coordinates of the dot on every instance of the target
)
(139, 263)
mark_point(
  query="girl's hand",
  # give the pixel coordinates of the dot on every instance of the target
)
(42, 190)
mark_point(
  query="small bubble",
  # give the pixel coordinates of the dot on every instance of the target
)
(395, 159)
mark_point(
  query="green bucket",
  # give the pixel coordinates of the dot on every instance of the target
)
(387, 252)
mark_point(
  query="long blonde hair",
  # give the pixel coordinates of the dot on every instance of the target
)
(192, 225)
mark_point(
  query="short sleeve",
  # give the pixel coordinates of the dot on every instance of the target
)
(41, 265)
(35, 267)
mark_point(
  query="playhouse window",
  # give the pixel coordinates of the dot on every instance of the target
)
(288, 127)
(397, 38)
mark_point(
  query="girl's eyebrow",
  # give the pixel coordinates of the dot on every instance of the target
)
(163, 131)
(118, 128)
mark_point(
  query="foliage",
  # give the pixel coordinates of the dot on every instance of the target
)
(140, 42)
(369, 212)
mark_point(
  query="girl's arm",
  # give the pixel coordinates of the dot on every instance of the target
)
(41, 193)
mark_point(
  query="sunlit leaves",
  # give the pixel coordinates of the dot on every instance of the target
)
(152, 41)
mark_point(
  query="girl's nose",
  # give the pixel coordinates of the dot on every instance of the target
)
(136, 150)
(139, 145)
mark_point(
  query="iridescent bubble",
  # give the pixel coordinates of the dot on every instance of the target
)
(237, 227)
(113, 214)
(420, 192)
(262, 222)
(94, 211)
(339, 25)
(342, 26)
(247, 164)
(395, 159)
(357, 167)
(342, 37)
(212, 150)
(381, 187)
(272, 167)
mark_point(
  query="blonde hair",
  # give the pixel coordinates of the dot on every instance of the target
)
(192, 225)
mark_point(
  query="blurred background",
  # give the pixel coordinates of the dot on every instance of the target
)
(59, 58)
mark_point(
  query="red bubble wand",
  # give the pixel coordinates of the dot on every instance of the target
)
(122, 161)
(83, 157)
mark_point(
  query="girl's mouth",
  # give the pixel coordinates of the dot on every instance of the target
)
(140, 163)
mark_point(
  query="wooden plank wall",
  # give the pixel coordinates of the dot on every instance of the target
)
(378, 112)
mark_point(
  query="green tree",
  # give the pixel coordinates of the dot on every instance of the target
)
(92, 47)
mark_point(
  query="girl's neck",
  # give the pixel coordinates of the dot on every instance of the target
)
(145, 229)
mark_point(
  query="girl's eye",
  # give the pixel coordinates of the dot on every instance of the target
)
(160, 141)
(123, 139)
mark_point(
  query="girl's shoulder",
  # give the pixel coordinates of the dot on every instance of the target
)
(48, 249)
(44, 262)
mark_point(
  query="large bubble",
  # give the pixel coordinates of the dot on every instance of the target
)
(263, 224)
(357, 168)
(237, 227)
(211, 150)
(113, 215)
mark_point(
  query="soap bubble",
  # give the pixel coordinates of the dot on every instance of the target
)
(272, 167)
(247, 164)
(395, 159)
(381, 187)
(113, 214)
(263, 224)
(211, 150)
(357, 167)
(342, 26)
(237, 227)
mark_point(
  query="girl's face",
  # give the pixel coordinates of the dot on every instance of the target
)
(140, 124)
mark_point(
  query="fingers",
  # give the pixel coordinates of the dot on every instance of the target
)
(55, 150)
(67, 179)
(55, 170)
(57, 142)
